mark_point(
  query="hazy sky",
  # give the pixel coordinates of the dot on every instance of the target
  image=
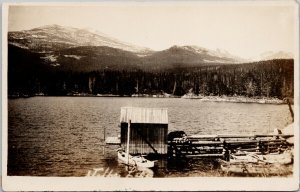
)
(243, 30)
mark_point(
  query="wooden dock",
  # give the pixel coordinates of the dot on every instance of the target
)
(221, 146)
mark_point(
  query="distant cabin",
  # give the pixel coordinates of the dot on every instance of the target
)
(148, 130)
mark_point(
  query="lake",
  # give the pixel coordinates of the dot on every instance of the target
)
(63, 136)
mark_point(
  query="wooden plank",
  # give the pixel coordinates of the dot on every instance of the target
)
(144, 115)
(201, 136)
(235, 136)
(242, 142)
(198, 143)
(204, 155)
(113, 141)
(238, 136)
(249, 149)
(207, 148)
(275, 135)
(273, 140)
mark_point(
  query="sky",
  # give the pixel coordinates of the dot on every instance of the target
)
(245, 30)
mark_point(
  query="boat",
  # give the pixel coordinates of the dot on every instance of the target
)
(138, 161)
(265, 169)
(126, 158)
(257, 163)
(272, 158)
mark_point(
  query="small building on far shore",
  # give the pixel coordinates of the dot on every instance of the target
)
(148, 130)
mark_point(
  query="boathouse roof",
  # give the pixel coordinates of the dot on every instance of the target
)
(144, 115)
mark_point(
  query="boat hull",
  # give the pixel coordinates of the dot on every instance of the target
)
(138, 161)
(284, 158)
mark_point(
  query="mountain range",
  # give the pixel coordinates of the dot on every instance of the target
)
(56, 60)
(84, 49)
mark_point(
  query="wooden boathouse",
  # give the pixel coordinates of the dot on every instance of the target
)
(148, 130)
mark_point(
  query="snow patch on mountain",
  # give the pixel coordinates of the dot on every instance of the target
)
(269, 55)
(217, 55)
(50, 58)
(74, 56)
(55, 64)
(18, 45)
(45, 38)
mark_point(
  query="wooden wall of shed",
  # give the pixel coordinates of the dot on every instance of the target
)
(155, 134)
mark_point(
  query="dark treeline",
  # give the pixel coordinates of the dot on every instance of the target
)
(274, 78)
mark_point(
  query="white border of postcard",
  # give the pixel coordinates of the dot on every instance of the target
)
(27, 183)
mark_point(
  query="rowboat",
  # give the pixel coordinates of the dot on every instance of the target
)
(265, 169)
(138, 161)
(126, 158)
(282, 158)
(257, 163)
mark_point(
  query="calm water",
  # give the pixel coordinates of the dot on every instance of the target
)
(63, 136)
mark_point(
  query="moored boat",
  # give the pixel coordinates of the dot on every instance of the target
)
(128, 159)
(265, 169)
(272, 158)
(138, 161)
(257, 163)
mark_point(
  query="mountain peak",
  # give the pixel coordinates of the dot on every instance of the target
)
(207, 55)
(54, 37)
(191, 48)
(48, 27)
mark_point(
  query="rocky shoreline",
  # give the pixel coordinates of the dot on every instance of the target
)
(232, 99)
(244, 100)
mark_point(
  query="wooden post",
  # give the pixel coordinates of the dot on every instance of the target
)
(290, 108)
(103, 148)
(226, 154)
(128, 138)
(104, 132)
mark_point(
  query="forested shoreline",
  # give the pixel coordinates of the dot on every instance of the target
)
(273, 78)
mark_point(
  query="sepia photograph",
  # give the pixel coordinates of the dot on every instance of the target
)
(199, 93)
